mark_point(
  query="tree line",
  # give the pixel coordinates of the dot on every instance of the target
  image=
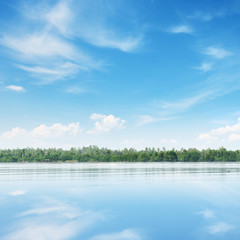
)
(95, 154)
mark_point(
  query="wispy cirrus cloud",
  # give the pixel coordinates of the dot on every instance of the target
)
(201, 16)
(214, 86)
(221, 12)
(95, 28)
(207, 213)
(184, 104)
(181, 29)
(219, 228)
(60, 16)
(49, 46)
(48, 57)
(128, 44)
(76, 90)
(204, 67)
(57, 71)
(147, 119)
(39, 45)
(217, 52)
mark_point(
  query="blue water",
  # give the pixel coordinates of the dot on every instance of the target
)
(120, 201)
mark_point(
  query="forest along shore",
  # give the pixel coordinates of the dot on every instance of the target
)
(95, 154)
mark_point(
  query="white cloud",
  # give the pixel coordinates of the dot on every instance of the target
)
(202, 16)
(181, 29)
(106, 123)
(60, 16)
(55, 130)
(219, 228)
(171, 141)
(15, 132)
(234, 137)
(227, 133)
(127, 234)
(218, 53)
(17, 193)
(207, 213)
(134, 143)
(96, 116)
(206, 136)
(237, 113)
(205, 67)
(16, 88)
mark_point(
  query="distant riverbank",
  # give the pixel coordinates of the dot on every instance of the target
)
(95, 154)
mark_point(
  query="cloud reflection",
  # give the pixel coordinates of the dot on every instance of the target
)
(36, 231)
(61, 210)
(60, 221)
(17, 193)
(127, 234)
(57, 222)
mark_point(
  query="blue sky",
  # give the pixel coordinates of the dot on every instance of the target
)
(120, 74)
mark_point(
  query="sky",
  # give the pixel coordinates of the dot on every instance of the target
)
(116, 74)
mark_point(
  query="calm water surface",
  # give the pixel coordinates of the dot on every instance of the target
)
(119, 201)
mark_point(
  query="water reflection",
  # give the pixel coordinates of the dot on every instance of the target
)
(132, 201)
(63, 171)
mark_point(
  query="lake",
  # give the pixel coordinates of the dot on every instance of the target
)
(119, 201)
